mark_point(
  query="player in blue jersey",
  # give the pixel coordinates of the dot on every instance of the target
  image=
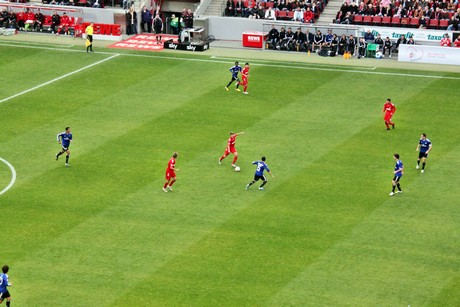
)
(424, 145)
(64, 138)
(398, 172)
(4, 283)
(235, 70)
(261, 167)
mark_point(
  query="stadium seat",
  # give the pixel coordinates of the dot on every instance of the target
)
(377, 20)
(290, 15)
(433, 24)
(358, 19)
(367, 20)
(415, 22)
(47, 21)
(396, 21)
(282, 14)
(405, 21)
(443, 24)
(386, 21)
(269, 4)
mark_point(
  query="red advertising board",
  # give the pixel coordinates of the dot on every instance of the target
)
(144, 42)
(254, 39)
(104, 29)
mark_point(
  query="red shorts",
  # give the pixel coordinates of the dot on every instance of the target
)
(231, 150)
(245, 80)
(170, 174)
(387, 116)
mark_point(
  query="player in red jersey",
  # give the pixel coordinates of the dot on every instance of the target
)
(388, 109)
(30, 19)
(445, 41)
(20, 19)
(244, 78)
(65, 23)
(457, 42)
(170, 173)
(231, 148)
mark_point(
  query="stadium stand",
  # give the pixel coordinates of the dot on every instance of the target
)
(283, 10)
(434, 14)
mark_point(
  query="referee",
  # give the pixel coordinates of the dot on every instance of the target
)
(89, 36)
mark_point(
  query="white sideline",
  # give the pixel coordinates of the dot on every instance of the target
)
(58, 78)
(13, 176)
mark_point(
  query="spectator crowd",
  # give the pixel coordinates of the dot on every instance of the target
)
(32, 19)
(306, 11)
(151, 22)
(436, 14)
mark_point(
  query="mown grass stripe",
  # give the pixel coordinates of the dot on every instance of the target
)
(57, 79)
(390, 251)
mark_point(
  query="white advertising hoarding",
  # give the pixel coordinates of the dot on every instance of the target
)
(429, 54)
(419, 35)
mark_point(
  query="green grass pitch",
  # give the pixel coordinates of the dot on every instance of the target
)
(325, 232)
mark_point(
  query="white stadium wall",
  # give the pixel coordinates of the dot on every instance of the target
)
(429, 54)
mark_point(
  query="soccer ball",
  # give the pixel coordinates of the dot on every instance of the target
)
(237, 169)
(378, 55)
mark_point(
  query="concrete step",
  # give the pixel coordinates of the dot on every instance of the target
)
(329, 15)
(213, 13)
(330, 11)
